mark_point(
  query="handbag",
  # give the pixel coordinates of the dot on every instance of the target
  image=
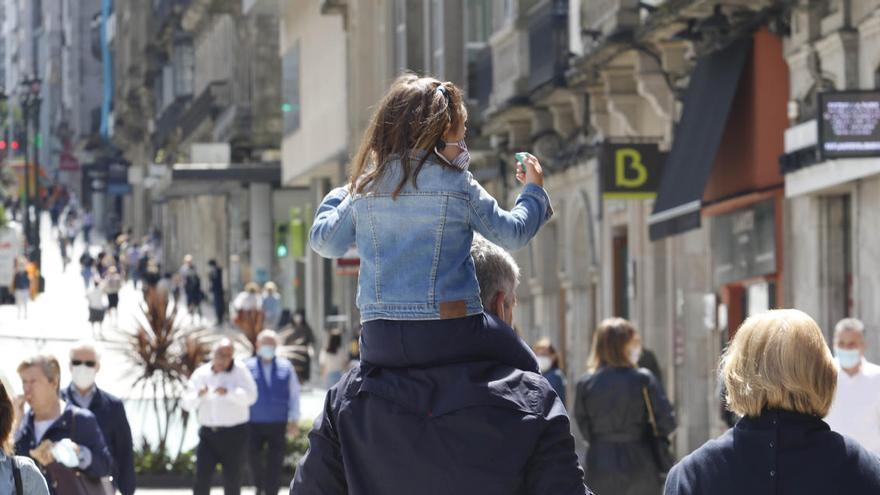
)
(68, 481)
(660, 446)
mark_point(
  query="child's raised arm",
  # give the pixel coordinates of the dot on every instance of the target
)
(333, 231)
(515, 228)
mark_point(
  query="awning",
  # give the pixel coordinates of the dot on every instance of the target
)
(697, 137)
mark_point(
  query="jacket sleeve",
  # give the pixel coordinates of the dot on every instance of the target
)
(332, 232)
(245, 393)
(509, 229)
(553, 468)
(123, 449)
(321, 470)
(678, 483)
(89, 435)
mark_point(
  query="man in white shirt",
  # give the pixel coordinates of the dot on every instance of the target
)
(221, 392)
(855, 411)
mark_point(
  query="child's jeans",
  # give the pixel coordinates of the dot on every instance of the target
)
(428, 343)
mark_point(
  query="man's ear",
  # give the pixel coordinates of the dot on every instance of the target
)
(498, 304)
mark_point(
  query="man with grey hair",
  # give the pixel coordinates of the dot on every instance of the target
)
(855, 411)
(85, 362)
(221, 392)
(463, 425)
(275, 413)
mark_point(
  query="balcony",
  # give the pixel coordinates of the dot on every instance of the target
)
(606, 18)
(548, 44)
(213, 100)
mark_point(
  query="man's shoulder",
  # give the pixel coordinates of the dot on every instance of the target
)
(871, 370)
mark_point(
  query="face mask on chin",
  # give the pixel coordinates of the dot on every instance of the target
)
(461, 160)
(83, 377)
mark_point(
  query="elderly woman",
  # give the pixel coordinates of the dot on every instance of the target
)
(612, 413)
(780, 376)
(17, 474)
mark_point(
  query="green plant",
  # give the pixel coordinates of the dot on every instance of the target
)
(297, 447)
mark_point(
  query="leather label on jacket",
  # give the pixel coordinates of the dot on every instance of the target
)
(453, 309)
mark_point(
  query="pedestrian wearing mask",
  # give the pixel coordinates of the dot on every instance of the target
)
(221, 394)
(64, 439)
(548, 362)
(18, 475)
(855, 411)
(85, 362)
(274, 416)
(611, 409)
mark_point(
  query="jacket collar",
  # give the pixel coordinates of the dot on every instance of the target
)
(97, 400)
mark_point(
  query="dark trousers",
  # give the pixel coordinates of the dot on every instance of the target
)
(224, 446)
(219, 306)
(267, 442)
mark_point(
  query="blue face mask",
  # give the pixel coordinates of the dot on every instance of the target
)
(848, 358)
(266, 352)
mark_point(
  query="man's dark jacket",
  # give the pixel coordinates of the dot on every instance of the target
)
(465, 428)
(81, 427)
(110, 413)
(777, 453)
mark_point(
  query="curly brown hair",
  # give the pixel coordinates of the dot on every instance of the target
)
(413, 115)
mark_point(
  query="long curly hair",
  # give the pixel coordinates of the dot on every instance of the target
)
(413, 115)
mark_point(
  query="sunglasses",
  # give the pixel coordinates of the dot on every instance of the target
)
(77, 362)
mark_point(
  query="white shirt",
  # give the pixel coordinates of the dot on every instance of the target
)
(41, 427)
(221, 410)
(96, 298)
(855, 411)
(245, 301)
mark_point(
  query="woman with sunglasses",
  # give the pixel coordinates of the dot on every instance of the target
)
(18, 475)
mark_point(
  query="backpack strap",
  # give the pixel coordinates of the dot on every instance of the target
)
(16, 475)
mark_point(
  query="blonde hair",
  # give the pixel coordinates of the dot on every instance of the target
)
(609, 344)
(779, 360)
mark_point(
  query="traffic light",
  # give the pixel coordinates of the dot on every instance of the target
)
(2, 145)
(282, 239)
(14, 145)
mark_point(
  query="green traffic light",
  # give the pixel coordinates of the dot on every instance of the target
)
(281, 251)
(286, 107)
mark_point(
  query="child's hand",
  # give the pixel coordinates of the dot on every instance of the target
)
(533, 173)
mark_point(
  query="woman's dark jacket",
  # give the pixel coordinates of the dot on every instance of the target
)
(81, 427)
(611, 414)
(777, 453)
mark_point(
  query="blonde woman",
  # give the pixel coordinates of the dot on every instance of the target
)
(612, 413)
(781, 378)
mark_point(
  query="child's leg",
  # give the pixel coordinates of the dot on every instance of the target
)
(397, 344)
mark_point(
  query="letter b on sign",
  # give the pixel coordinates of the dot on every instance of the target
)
(631, 170)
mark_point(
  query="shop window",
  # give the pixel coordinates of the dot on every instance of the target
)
(836, 259)
(621, 275)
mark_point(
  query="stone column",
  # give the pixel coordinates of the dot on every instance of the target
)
(262, 232)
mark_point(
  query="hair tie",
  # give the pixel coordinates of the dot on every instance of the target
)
(445, 92)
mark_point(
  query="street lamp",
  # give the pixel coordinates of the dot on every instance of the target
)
(31, 103)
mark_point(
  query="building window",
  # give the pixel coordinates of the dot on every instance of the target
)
(504, 14)
(400, 62)
(437, 65)
(167, 86)
(183, 62)
(478, 19)
(290, 91)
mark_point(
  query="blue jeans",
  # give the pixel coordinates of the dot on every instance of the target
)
(427, 343)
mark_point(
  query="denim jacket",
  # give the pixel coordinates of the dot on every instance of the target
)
(415, 249)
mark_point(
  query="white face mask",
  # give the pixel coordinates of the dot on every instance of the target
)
(634, 354)
(83, 376)
(544, 363)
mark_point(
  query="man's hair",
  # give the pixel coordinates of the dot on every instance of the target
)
(47, 364)
(779, 360)
(90, 345)
(496, 270)
(853, 324)
(267, 333)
